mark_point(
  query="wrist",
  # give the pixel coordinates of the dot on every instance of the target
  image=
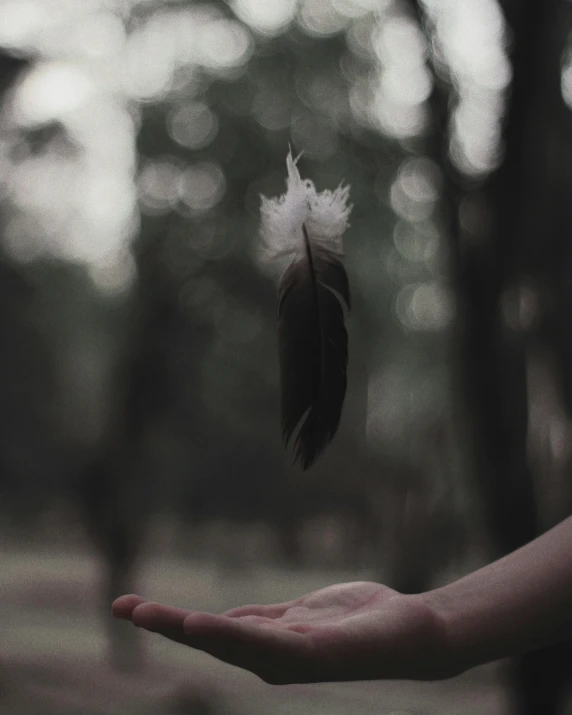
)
(452, 660)
(430, 651)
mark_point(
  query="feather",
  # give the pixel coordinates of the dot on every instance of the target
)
(306, 227)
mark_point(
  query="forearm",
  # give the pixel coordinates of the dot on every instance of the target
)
(518, 603)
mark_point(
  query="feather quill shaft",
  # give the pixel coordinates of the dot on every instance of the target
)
(306, 227)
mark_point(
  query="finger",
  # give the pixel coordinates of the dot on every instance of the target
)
(156, 617)
(274, 610)
(166, 621)
(123, 606)
(273, 654)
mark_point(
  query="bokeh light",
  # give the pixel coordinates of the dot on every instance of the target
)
(50, 91)
(114, 274)
(415, 189)
(266, 18)
(425, 306)
(158, 184)
(472, 37)
(321, 19)
(202, 186)
(404, 81)
(192, 124)
(22, 22)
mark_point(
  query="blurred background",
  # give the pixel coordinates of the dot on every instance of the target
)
(139, 399)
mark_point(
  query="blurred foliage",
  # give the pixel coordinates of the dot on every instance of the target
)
(190, 109)
(140, 360)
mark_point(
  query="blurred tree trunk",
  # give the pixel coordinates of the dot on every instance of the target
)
(490, 273)
(117, 489)
(547, 215)
(524, 236)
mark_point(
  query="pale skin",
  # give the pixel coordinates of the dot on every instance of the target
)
(366, 631)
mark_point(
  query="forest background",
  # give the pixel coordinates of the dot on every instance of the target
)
(139, 392)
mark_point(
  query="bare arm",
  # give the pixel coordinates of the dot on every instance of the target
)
(360, 631)
(519, 603)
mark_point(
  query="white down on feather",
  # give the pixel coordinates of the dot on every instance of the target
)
(325, 215)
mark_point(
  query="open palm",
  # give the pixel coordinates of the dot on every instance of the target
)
(353, 631)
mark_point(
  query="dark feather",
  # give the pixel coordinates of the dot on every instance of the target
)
(313, 345)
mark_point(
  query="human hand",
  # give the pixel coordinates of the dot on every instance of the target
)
(353, 631)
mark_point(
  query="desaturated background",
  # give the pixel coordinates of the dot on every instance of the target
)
(140, 443)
